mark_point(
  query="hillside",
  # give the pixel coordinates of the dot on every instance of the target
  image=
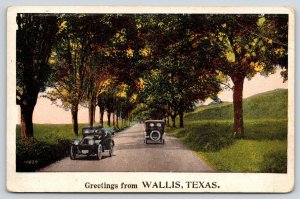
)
(208, 131)
(271, 104)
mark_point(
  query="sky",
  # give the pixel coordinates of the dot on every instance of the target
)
(46, 112)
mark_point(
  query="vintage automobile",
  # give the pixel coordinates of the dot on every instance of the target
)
(154, 131)
(95, 141)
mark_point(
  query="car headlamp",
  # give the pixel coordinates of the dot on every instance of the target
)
(76, 142)
(91, 142)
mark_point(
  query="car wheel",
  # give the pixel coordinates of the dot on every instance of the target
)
(99, 152)
(73, 153)
(111, 148)
(155, 135)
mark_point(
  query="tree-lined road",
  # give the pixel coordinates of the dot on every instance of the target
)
(131, 154)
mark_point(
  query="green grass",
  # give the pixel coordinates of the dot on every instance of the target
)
(208, 131)
(52, 132)
(250, 156)
(272, 104)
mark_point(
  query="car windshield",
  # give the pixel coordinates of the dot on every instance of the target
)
(86, 140)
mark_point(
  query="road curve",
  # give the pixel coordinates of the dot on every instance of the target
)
(132, 155)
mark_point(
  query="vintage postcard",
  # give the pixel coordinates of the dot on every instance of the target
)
(150, 99)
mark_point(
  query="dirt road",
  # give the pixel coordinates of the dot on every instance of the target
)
(131, 154)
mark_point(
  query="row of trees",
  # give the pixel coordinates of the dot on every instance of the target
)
(196, 55)
(88, 62)
(164, 63)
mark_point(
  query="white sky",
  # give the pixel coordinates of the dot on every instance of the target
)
(45, 112)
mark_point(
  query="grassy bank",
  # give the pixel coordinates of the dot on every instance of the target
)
(51, 143)
(208, 131)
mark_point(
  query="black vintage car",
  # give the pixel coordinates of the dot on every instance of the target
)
(154, 131)
(95, 141)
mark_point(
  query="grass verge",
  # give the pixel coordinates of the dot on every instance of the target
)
(263, 150)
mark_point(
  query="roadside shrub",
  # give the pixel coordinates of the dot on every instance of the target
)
(274, 162)
(206, 136)
(208, 140)
(38, 154)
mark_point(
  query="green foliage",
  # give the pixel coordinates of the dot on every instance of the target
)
(179, 76)
(36, 34)
(246, 45)
(30, 157)
(209, 130)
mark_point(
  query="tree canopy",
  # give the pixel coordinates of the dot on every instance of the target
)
(154, 65)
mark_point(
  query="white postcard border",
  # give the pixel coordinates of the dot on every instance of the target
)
(76, 181)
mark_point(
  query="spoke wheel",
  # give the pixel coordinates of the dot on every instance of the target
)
(73, 153)
(99, 152)
(111, 149)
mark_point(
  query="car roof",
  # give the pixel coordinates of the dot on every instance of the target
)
(92, 127)
(88, 137)
(161, 121)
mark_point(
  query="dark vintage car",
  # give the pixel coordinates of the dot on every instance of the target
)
(95, 141)
(154, 131)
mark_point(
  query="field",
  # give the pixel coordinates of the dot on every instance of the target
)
(208, 131)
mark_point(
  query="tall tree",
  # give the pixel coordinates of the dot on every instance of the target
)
(244, 45)
(70, 65)
(36, 35)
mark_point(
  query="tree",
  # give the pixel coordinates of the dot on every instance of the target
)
(101, 103)
(106, 36)
(92, 86)
(36, 35)
(244, 45)
(122, 55)
(181, 75)
(70, 60)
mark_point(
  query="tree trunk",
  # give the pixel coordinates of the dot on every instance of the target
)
(181, 119)
(74, 111)
(173, 121)
(108, 118)
(117, 120)
(26, 122)
(168, 121)
(238, 107)
(114, 118)
(91, 113)
(94, 113)
(101, 113)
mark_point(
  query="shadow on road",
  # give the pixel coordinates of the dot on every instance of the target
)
(92, 157)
